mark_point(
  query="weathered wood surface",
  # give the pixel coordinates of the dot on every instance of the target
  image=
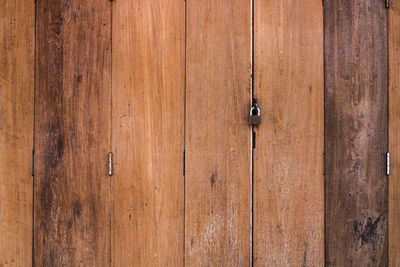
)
(218, 147)
(356, 133)
(394, 133)
(148, 132)
(72, 100)
(288, 162)
(17, 28)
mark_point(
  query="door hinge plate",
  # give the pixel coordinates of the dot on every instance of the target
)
(388, 163)
(387, 3)
(110, 164)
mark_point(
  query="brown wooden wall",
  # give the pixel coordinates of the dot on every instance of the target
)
(147, 188)
(356, 133)
(288, 163)
(17, 38)
(217, 137)
(394, 136)
(72, 122)
(164, 88)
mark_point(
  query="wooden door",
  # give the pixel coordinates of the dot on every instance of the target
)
(218, 137)
(147, 219)
(288, 150)
(394, 128)
(356, 133)
(17, 27)
(72, 133)
(132, 118)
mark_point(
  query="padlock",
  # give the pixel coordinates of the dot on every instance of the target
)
(255, 117)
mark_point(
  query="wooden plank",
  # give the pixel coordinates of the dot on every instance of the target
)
(148, 132)
(17, 28)
(72, 100)
(394, 133)
(356, 132)
(288, 158)
(218, 147)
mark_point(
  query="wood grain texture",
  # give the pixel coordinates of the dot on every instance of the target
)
(288, 157)
(148, 132)
(17, 28)
(394, 133)
(218, 147)
(356, 132)
(72, 100)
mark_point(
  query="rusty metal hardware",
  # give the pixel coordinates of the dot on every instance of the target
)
(110, 169)
(255, 114)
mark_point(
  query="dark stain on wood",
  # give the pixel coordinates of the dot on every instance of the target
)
(213, 179)
(305, 258)
(355, 132)
(77, 209)
(367, 231)
(54, 149)
(70, 223)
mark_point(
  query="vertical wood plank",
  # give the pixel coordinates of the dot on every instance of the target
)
(394, 133)
(356, 132)
(72, 100)
(218, 147)
(288, 158)
(148, 132)
(17, 27)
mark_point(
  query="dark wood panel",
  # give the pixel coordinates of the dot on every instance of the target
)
(17, 28)
(288, 156)
(148, 132)
(394, 132)
(72, 126)
(356, 132)
(218, 147)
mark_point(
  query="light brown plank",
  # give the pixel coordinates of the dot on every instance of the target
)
(218, 147)
(356, 133)
(72, 100)
(17, 27)
(148, 132)
(394, 133)
(288, 158)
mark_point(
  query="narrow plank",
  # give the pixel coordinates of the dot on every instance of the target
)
(72, 100)
(218, 147)
(148, 132)
(394, 133)
(288, 158)
(17, 28)
(356, 133)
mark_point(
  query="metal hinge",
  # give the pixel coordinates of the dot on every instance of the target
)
(387, 3)
(387, 163)
(110, 164)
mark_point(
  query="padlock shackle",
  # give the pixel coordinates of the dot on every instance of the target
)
(258, 111)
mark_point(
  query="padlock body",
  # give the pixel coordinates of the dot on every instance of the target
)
(254, 120)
